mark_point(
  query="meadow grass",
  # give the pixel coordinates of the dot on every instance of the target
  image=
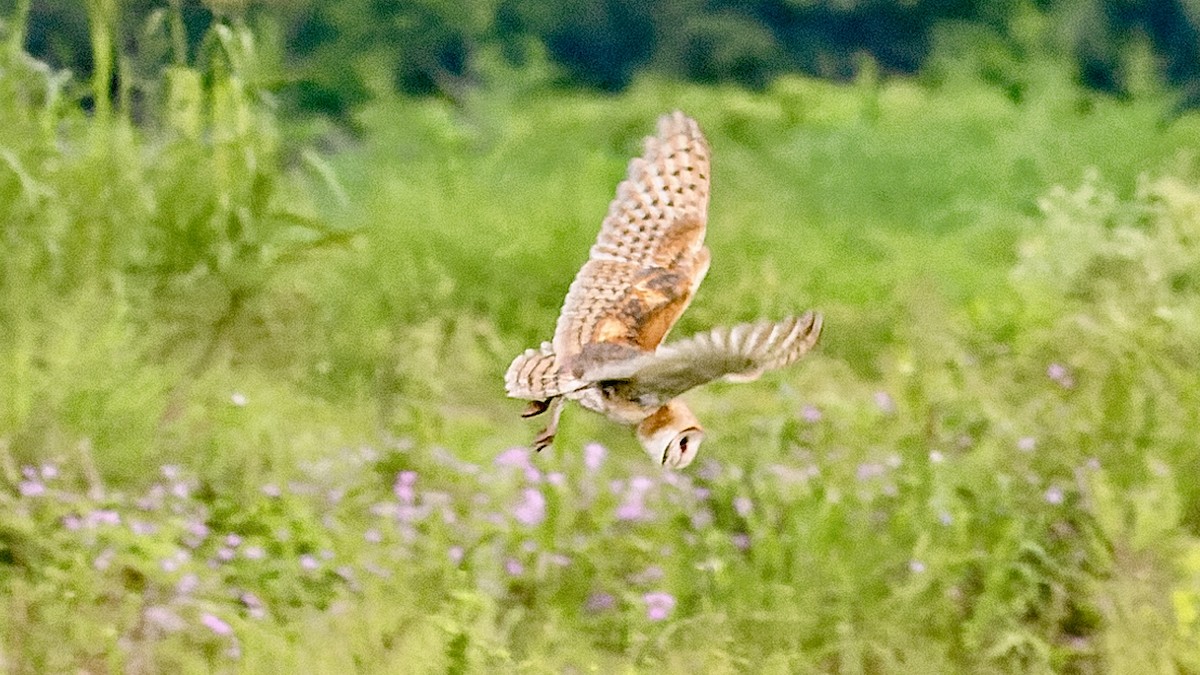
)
(252, 413)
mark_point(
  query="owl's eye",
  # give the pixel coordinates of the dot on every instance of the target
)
(682, 449)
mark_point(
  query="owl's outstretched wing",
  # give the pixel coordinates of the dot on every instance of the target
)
(739, 353)
(535, 375)
(649, 257)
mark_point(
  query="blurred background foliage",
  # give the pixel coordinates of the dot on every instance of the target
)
(338, 53)
(264, 264)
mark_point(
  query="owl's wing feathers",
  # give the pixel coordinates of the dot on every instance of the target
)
(649, 257)
(535, 375)
(739, 353)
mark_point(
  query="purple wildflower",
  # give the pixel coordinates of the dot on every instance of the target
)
(701, 518)
(403, 487)
(152, 500)
(408, 513)
(164, 618)
(225, 554)
(1059, 374)
(633, 507)
(556, 478)
(648, 576)
(173, 562)
(187, 584)
(743, 506)
(142, 528)
(532, 508)
(196, 531)
(1026, 443)
(373, 536)
(456, 554)
(216, 624)
(885, 402)
(593, 456)
(254, 606)
(916, 566)
(1054, 495)
(254, 552)
(741, 541)
(31, 488)
(309, 562)
(869, 470)
(600, 602)
(514, 567)
(810, 414)
(658, 605)
(49, 471)
(516, 458)
(102, 517)
(710, 470)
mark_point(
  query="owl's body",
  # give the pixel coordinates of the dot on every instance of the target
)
(642, 273)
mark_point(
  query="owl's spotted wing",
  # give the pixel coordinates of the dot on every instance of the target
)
(739, 353)
(649, 257)
(535, 376)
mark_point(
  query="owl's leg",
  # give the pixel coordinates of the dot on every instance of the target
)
(546, 436)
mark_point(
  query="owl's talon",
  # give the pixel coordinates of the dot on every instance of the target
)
(545, 437)
(543, 440)
(536, 408)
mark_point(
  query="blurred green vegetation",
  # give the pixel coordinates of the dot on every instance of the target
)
(339, 54)
(251, 414)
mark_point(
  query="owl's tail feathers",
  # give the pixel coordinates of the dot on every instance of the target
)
(535, 376)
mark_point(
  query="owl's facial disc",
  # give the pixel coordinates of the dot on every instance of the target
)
(671, 435)
(682, 449)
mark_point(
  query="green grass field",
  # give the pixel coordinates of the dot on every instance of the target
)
(252, 416)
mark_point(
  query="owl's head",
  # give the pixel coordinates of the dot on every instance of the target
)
(672, 435)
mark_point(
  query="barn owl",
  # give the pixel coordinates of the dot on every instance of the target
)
(642, 272)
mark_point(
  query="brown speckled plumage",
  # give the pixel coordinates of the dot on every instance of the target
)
(641, 274)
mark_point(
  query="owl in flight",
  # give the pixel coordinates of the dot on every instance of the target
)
(639, 278)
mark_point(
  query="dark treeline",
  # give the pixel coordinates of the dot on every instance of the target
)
(336, 53)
